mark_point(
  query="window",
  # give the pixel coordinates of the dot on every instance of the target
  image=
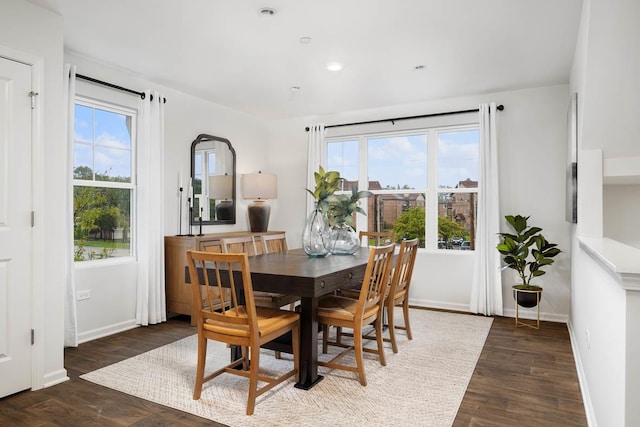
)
(103, 180)
(412, 174)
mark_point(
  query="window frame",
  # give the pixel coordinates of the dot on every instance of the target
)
(113, 107)
(431, 192)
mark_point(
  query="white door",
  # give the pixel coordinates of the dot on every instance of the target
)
(15, 227)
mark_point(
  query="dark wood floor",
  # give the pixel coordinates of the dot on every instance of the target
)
(524, 377)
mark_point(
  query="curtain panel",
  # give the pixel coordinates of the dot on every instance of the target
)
(486, 290)
(315, 158)
(151, 301)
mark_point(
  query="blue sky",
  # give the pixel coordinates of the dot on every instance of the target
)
(112, 149)
(402, 160)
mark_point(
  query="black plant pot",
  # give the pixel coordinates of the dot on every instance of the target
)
(527, 299)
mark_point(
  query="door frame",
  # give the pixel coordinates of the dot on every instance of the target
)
(37, 205)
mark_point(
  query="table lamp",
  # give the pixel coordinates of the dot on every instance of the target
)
(259, 187)
(220, 190)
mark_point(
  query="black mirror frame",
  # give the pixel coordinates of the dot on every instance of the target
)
(203, 137)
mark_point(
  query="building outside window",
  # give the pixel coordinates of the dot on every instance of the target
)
(398, 169)
(103, 180)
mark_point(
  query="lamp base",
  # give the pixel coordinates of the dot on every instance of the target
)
(259, 216)
(224, 210)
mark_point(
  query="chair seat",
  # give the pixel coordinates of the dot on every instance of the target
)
(341, 308)
(269, 320)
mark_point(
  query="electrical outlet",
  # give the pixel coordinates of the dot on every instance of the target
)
(83, 295)
(588, 340)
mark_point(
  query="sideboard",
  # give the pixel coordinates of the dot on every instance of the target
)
(178, 292)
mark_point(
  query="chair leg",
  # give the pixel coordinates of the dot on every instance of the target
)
(295, 341)
(357, 348)
(325, 333)
(339, 334)
(405, 311)
(380, 341)
(254, 367)
(202, 357)
(392, 328)
(277, 354)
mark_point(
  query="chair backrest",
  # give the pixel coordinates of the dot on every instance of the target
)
(240, 244)
(377, 238)
(403, 270)
(376, 278)
(273, 243)
(211, 274)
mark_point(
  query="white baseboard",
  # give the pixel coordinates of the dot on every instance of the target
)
(106, 331)
(531, 313)
(54, 378)
(582, 379)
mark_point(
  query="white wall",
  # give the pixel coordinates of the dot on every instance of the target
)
(621, 212)
(27, 29)
(113, 284)
(532, 140)
(604, 74)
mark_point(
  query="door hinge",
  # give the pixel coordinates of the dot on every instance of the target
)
(33, 95)
(33, 219)
(33, 336)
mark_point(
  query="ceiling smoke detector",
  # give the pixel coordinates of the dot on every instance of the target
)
(266, 11)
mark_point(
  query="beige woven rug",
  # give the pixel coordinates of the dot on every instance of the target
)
(423, 384)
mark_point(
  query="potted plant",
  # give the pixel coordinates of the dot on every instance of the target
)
(316, 228)
(343, 239)
(528, 252)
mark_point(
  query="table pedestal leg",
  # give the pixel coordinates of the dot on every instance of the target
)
(308, 344)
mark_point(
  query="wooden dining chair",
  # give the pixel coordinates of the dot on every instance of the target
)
(398, 290)
(377, 238)
(343, 312)
(247, 245)
(246, 325)
(271, 243)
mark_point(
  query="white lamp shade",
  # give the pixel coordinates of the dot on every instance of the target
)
(259, 186)
(220, 187)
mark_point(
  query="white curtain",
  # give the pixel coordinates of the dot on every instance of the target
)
(486, 290)
(315, 158)
(151, 303)
(70, 315)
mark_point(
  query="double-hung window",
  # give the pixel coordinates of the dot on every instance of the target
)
(103, 180)
(424, 182)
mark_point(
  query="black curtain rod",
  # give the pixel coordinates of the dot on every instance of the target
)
(111, 85)
(448, 113)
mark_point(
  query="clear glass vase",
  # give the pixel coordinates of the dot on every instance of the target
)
(316, 230)
(342, 239)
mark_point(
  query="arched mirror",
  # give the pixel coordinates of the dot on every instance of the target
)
(213, 174)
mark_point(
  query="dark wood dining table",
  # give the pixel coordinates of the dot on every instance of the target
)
(294, 273)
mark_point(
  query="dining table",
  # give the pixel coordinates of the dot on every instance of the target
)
(293, 272)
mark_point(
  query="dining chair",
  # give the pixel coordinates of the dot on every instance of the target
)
(343, 312)
(246, 325)
(247, 245)
(377, 238)
(398, 291)
(271, 243)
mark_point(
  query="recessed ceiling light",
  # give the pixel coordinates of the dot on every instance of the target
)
(419, 68)
(295, 89)
(334, 66)
(266, 11)
(305, 40)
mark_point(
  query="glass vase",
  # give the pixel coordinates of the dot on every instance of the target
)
(342, 240)
(316, 229)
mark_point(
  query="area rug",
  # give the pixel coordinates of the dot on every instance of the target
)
(423, 384)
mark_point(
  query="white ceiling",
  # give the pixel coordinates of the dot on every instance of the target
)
(225, 51)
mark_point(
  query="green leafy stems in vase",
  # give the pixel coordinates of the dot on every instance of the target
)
(341, 238)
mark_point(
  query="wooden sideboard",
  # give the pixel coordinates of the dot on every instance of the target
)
(178, 292)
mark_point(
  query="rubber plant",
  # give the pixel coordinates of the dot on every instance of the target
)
(527, 251)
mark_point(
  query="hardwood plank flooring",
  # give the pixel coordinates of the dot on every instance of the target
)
(524, 377)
